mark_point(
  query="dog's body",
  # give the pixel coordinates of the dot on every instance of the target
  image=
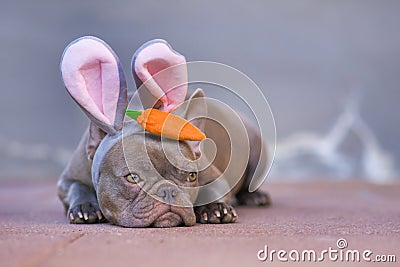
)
(136, 179)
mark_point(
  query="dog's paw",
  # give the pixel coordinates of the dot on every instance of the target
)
(217, 212)
(85, 213)
(257, 198)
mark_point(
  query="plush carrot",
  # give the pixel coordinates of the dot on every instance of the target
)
(166, 124)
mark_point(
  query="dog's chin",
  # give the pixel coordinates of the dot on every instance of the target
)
(168, 219)
(159, 215)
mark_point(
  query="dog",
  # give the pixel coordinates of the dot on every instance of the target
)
(121, 174)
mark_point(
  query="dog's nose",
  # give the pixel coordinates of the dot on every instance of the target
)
(167, 193)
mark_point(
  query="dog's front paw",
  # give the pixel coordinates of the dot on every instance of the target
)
(217, 212)
(85, 213)
(257, 198)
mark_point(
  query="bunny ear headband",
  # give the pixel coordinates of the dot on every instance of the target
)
(94, 78)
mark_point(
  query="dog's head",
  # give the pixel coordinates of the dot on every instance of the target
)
(140, 179)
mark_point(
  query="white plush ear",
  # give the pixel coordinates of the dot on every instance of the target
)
(94, 78)
(162, 71)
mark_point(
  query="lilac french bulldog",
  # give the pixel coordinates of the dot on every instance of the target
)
(121, 174)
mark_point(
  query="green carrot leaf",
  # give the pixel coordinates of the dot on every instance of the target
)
(134, 114)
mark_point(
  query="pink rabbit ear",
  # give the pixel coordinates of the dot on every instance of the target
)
(163, 72)
(93, 77)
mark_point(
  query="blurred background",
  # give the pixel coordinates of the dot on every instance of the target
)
(329, 69)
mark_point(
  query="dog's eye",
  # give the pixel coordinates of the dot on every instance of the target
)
(192, 177)
(133, 178)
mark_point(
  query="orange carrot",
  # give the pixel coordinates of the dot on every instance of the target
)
(166, 124)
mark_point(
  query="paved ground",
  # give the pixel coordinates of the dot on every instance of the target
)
(304, 216)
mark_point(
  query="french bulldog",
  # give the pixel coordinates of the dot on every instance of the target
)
(124, 175)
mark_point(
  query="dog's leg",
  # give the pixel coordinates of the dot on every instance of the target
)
(257, 198)
(219, 211)
(76, 191)
(216, 212)
(243, 196)
(83, 205)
